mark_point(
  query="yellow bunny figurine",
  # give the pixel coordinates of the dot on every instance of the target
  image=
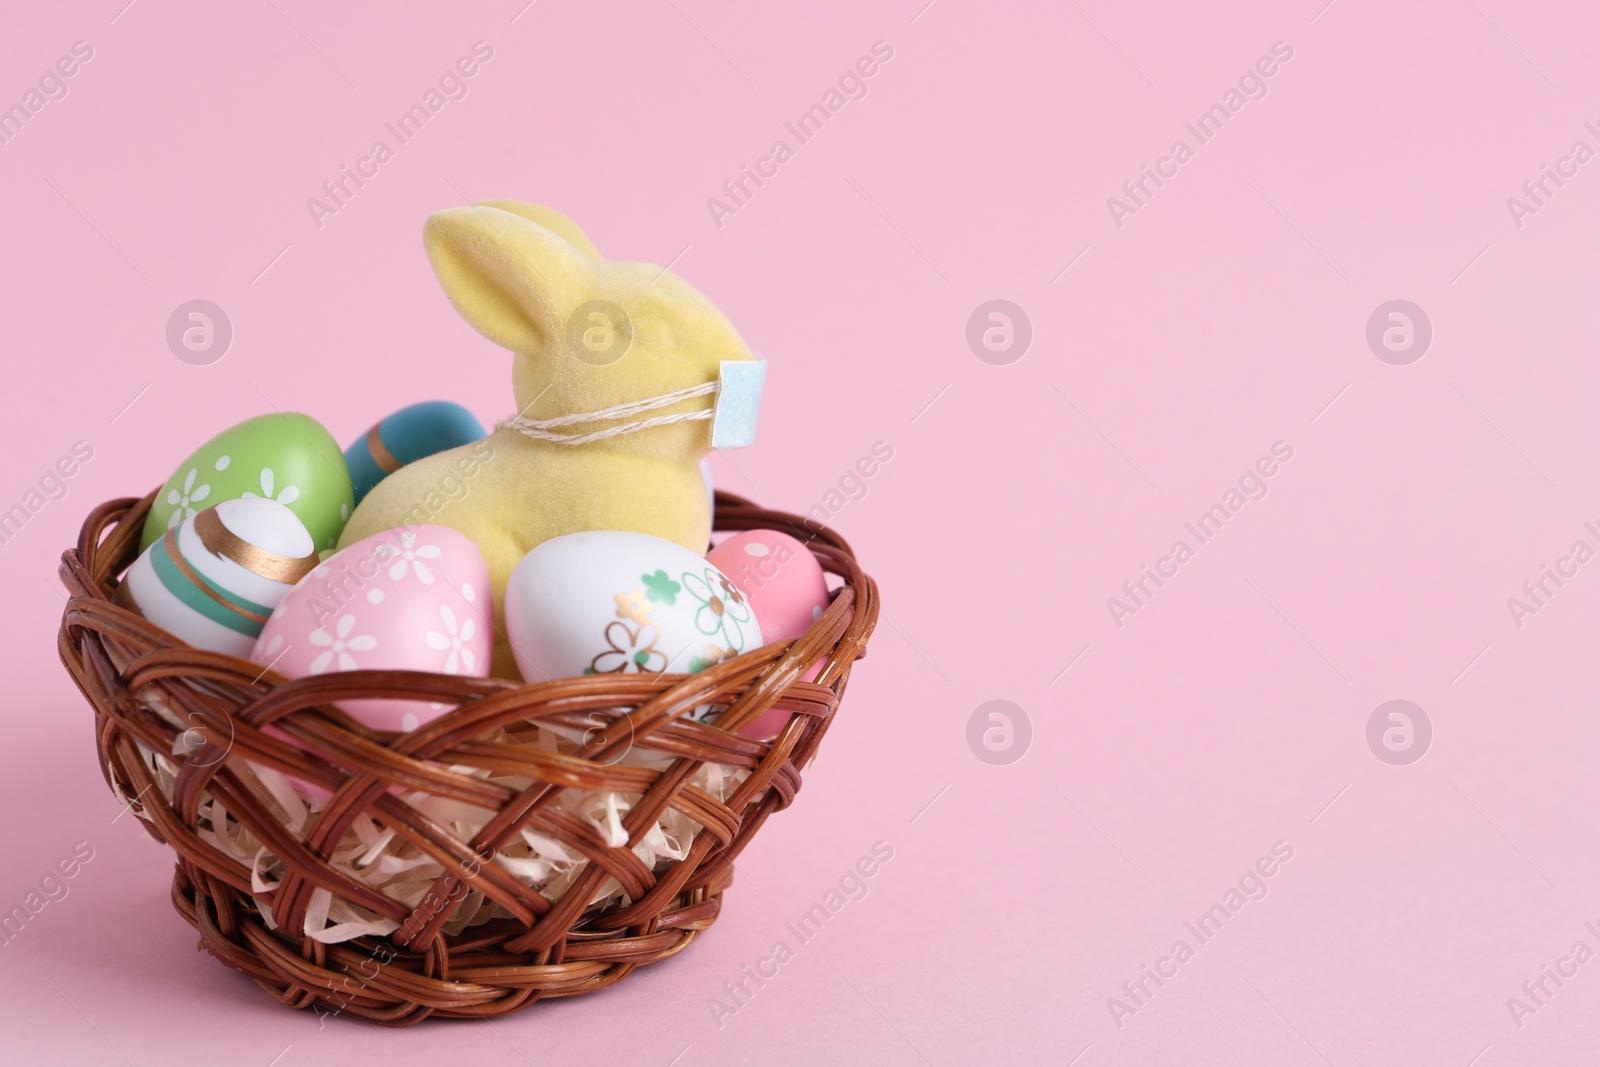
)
(618, 370)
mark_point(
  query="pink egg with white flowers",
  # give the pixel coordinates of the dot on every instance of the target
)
(786, 589)
(416, 598)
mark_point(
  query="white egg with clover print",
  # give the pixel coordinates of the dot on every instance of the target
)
(411, 599)
(616, 602)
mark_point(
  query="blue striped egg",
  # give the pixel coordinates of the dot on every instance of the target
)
(214, 579)
(407, 436)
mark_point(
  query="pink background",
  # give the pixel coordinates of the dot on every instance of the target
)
(1227, 314)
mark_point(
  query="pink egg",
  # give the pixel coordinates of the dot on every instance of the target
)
(786, 589)
(417, 599)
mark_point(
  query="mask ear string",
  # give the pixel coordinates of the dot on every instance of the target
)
(546, 429)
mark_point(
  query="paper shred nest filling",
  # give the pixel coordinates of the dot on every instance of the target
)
(383, 861)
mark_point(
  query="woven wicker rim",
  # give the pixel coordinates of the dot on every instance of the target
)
(548, 948)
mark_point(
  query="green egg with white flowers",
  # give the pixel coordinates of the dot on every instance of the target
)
(289, 458)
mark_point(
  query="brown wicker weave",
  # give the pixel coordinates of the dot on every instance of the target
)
(549, 948)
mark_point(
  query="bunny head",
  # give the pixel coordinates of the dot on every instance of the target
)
(588, 333)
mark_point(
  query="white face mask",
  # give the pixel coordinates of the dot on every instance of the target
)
(739, 385)
(733, 416)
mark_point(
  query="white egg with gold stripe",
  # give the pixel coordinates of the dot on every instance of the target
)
(213, 580)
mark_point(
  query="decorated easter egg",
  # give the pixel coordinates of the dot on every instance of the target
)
(405, 437)
(214, 579)
(785, 585)
(416, 598)
(779, 576)
(287, 458)
(612, 601)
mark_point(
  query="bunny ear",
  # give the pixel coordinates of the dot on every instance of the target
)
(550, 219)
(513, 279)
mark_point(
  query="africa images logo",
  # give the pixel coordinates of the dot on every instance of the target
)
(1252, 85)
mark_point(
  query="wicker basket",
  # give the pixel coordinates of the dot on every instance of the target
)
(538, 947)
